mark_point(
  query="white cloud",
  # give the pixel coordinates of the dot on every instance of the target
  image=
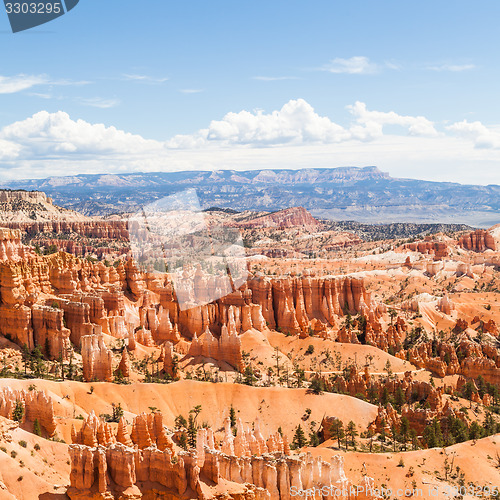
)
(295, 123)
(18, 83)
(46, 134)
(295, 136)
(144, 78)
(371, 123)
(479, 134)
(13, 84)
(452, 67)
(358, 65)
(100, 102)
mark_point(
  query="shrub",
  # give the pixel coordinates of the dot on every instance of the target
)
(23, 443)
(13, 454)
(36, 447)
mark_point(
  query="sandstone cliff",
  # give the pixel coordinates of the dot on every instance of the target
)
(200, 472)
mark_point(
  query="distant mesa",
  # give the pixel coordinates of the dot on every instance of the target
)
(365, 195)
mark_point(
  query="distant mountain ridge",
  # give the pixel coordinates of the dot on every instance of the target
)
(346, 193)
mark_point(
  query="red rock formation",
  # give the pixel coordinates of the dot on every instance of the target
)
(97, 229)
(37, 406)
(124, 366)
(96, 358)
(227, 348)
(290, 217)
(11, 247)
(49, 330)
(144, 337)
(439, 249)
(122, 435)
(169, 360)
(478, 241)
(191, 474)
(487, 368)
(93, 432)
(134, 279)
(77, 318)
(446, 305)
(446, 364)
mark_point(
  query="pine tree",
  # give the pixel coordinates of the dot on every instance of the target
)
(414, 439)
(183, 441)
(26, 357)
(313, 439)
(489, 424)
(299, 438)
(352, 433)
(399, 398)
(385, 396)
(432, 434)
(249, 378)
(337, 430)
(394, 436)
(232, 416)
(36, 427)
(18, 412)
(192, 431)
(475, 431)
(467, 391)
(404, 431)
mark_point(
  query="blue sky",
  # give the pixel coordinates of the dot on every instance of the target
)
(425, 77)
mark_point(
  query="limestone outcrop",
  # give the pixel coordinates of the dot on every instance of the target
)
(97, 359)
(93, 432)
(147, 430)
(37, 406)
(117, 469)
(438, 249)
(49, 330)
(11, 247)
(227, 348)
(124, 366)
(169, 360)
(478, 241)
(443, 359)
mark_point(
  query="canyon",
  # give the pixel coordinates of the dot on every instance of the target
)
(186, 383)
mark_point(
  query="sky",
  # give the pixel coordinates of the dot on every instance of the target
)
(160, 85)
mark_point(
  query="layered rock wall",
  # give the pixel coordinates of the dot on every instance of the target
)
(97, 359)
(37, 406)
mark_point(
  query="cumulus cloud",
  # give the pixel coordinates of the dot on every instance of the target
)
(298, 123)
(295, 123)
(371, 123)
(479, 134)
(358, 65)
(295, 136)
(56, 133)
